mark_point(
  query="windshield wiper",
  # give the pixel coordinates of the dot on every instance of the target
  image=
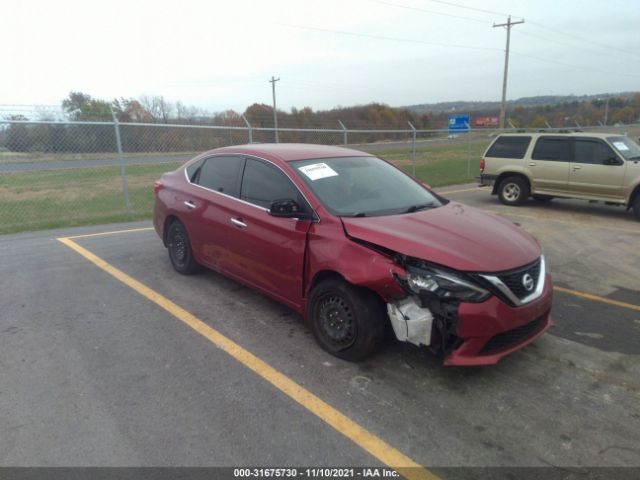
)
(357, 214)
(422, 206)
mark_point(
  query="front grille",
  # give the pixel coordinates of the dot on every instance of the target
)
(513, 279)
(507, 339)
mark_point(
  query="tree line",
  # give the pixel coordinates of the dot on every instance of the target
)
(157, 110)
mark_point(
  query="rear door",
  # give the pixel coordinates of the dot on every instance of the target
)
(211, 201)
(596, 170)
(549, 164)
(268, 252)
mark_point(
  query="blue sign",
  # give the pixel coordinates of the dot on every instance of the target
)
(459, 123)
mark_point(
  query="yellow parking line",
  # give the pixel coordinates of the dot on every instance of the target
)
(372, 444)
(111, 233)
(567, 222)
(597, 298)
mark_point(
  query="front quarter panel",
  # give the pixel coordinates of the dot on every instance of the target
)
(330, 250)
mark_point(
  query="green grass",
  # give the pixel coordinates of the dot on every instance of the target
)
(85, 196)
(440, 165)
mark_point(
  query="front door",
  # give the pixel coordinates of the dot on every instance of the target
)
(269, 252)
(596, 170)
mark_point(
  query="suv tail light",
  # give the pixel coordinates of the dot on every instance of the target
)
(157, 186)
(481, 165)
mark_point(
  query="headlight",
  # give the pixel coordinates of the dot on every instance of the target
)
(446, 285)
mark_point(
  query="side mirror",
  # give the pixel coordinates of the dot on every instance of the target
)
(287, 208)
(611, 161)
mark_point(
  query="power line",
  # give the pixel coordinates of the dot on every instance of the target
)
(475, 9)
(578, 47)
(539, 25)
(422, 42)
(394, 39)
(607, 72)
(417, 9)
(600, 45)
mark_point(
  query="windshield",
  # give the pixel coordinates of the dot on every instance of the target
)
(625, 147)
(363, 186)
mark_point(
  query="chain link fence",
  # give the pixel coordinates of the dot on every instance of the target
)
(57, 174)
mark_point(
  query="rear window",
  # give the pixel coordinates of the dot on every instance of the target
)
(221, 174)
(509, 147)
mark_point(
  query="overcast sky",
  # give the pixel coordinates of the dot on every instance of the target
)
(221, 54)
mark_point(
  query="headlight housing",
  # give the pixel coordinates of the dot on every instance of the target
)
(446, 285)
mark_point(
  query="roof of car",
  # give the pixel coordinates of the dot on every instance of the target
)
(562, 134)
(288, 152)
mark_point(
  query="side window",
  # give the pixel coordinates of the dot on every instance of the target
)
(509, 147)
(552, 148)
(194, 169)
(221, 174)
(263, 183)
(592, 151)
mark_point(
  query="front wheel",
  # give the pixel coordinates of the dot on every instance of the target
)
(180, 251)
(513, 191)
(347, 321)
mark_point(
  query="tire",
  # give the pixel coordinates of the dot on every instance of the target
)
(636, 207)
(348, 322)
(542, 198)
(513, 191)
(180, 251)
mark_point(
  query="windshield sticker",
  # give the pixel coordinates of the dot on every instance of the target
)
(620, 146)
(318, 171)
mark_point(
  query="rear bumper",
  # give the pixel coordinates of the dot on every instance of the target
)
(485, 180)
(493, 329)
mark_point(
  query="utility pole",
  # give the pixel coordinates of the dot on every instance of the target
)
(275, 112)
(503, 106)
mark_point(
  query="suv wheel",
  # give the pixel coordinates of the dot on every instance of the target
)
(513, 191)
(636, 207)
(348, 322)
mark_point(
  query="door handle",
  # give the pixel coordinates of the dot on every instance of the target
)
(238, 223)
(577, 167)
(190, 204)
(532, 164)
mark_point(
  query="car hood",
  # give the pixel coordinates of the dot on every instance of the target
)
(454, 235)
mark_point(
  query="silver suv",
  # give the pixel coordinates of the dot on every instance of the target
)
(590, 166)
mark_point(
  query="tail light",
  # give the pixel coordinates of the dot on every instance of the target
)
(157, 186)
(481, 165)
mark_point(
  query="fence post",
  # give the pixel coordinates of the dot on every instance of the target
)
(250, 130)
(123, 173)
(413, 148)
(344, 132)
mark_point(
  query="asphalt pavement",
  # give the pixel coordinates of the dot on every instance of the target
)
(94, 374)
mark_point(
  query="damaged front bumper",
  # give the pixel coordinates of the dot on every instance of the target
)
(491, 330)
(467, 333)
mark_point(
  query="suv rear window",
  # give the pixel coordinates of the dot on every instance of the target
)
(509, 147)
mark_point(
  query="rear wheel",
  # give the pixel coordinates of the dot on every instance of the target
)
(180, 251)
(513, 191)
(347, 321)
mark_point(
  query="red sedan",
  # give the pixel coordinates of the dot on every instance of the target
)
(353, 244)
